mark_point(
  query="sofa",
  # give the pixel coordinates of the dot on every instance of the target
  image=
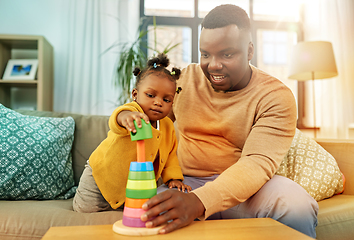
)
(30, 219)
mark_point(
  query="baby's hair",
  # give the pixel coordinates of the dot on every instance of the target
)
(157, 65)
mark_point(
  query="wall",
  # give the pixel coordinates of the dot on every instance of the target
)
(36, 17)
(54, 19)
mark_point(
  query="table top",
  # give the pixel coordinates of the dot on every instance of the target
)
(251, 228)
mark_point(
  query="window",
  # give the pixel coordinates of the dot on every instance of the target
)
(169, 36)
(273, 47)
(273, 52)
(169, 8)
(276, 10)
(276, 27)
(204, 6)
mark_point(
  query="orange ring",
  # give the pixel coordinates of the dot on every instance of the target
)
(134, 203)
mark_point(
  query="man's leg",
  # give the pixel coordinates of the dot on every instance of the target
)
(280, 198)
(283, 200)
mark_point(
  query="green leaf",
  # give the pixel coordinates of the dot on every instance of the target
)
(131, 55)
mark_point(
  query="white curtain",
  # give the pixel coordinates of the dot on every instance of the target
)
(84, 83)
(333, 21)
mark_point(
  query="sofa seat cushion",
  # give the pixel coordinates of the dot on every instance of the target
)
(336, 213)
(31, 219)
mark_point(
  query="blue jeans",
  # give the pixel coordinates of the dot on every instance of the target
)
(280, 198)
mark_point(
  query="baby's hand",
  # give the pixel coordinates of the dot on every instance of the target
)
(179, 185)
(126, 119)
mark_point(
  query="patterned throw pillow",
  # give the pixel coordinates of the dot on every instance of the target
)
(35, 157)
(311, 166)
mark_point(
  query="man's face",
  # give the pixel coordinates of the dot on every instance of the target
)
(225, 55)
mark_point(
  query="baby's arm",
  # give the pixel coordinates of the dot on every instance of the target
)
(174, 183)
(126, 119)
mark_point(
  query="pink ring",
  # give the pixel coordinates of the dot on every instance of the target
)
(133, 222)
(133, 212)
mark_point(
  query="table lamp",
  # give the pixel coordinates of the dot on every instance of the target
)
(310, 61)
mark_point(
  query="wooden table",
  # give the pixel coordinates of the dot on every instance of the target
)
(256, 228)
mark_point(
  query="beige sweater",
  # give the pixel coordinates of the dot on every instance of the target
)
(242, 135)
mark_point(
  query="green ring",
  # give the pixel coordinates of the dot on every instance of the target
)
(145, 175)
(140, 194)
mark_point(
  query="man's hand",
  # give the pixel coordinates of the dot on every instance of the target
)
(178, 210)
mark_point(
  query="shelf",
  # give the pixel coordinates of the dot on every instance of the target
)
(19, 44)
(37, 93)
(15, 82)
(18, 83)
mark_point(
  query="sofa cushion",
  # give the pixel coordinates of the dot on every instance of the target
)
(311, 166)
(336, 218)
(343, 151)
(90, 131)
(35, 156)
(31, 219)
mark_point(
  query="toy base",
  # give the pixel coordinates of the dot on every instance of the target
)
(118, 227)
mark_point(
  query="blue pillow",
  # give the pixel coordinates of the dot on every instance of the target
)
(35, 157)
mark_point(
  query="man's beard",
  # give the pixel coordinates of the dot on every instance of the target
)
(221, 91)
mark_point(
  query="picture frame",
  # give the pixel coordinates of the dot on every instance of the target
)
(21, 69)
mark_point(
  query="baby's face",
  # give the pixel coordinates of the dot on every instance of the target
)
(155, 95)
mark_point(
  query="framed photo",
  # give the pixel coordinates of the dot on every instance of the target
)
(21, 69)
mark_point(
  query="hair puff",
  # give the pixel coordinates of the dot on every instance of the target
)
(136, 71)
(177, 73)
(160, 60)
(159, 65)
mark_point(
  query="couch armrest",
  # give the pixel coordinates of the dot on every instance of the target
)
(343, 151)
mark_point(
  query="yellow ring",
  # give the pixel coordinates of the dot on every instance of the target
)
(141, 184)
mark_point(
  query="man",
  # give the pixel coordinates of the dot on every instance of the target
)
(236, 123)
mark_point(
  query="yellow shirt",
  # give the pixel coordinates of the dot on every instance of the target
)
(111, 159)
(242, 135)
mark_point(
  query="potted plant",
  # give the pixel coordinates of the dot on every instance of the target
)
(132, 55)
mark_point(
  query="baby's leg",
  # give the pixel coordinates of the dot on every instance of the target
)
(88, 197)
(194, 182)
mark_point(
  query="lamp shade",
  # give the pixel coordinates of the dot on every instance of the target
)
(312, 60)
